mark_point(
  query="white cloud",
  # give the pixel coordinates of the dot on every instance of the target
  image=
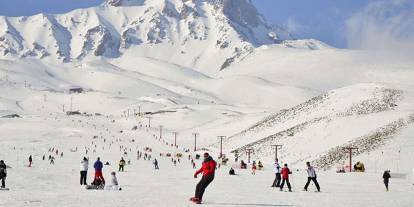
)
(382, 25)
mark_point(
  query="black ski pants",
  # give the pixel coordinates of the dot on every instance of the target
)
(276, 182)
(83, 177)
(283, 183)
(314, 181)
(202, 185)
(386, 183)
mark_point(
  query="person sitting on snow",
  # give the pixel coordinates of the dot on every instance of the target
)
(97, 184)
(113, 184)
(260, 165)
(231, 172)
(243, 165)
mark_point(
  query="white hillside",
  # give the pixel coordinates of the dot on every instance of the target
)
(363, 116)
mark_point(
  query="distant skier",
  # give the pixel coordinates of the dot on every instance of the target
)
(44, 157)
(208, 169)
(254, 168)
(155, 164)
(83, 170)
(98, 170)
(285, 177)
(386, 176)
(30, 161)
(121, 164)
(277, 169)
(3, 173)
(311, 176)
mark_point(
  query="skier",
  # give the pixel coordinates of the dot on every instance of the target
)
(98, 170)
(285, 177)
(276, 182)
(44, 157)
(30, 161)
(83, 170)
(208, 169)
(156, 164)
(254, 168)
(311, 176)
(3, 173)
(121, 164)
(386, 176)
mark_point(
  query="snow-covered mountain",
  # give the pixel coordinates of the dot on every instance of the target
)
(193, 33)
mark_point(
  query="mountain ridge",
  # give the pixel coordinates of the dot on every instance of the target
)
(228, 30)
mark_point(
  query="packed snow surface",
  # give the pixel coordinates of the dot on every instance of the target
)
(149, 69)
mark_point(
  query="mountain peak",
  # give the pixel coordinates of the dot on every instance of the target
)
(195, 31)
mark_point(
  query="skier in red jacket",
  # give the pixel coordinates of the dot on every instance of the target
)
(208, 168)
(285, 177)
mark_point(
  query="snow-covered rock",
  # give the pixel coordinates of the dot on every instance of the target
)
(197, 31)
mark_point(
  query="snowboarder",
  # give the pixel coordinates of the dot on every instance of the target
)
(156, 164)
(30, 161)
(208, 169)
(121, 164)
(3, 173)
(83, 170)
(231, 172)
(386, 176)
(277, 168)
(98, 170)
(285, 177)
(311, 176)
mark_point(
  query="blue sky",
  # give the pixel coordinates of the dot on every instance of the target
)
(341, 23)
(318, 19)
